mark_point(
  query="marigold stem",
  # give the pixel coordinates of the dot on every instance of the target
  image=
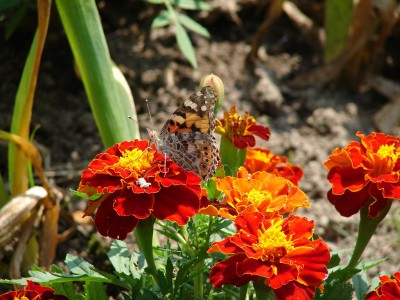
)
(366, 229)
(231, 156)
(144, 236)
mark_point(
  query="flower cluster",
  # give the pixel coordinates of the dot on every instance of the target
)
(365, 171)
(388, 289)
(258, 159)
(134, 182)
(278, 250)
(241, 130)
(263, 192)
(33, 291)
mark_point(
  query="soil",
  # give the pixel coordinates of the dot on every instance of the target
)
(306, 125)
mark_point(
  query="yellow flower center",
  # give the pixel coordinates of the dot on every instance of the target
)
(258, 197)
(259, 155)
(22, 298)
(273, 242)
(136, 160)
(388, 152)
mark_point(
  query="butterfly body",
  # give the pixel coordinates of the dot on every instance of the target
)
(188, 136)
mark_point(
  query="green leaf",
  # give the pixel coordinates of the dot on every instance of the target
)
(95, 290)
(15, 20)
(4, 4)
(338, 15)
(155, 1)
(163, 19)
(84, 195)
(360, 283)
(169, 269)
(162, 282)
(106, 87)
(335, 260)
(68, 289)
(192, 25)
(137, 264)
(119, 257)
(370, 264)
(79, 266)
(185, 45)
(192, 4)
(342, 291)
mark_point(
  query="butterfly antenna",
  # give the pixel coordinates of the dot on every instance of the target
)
(148, 109)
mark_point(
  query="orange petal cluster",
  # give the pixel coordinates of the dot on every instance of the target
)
(364, 170)
(258, 159)
(262, 192)
(387, 290)
(278, 250)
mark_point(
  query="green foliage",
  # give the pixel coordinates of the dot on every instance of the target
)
(338, 15)
(181, 21)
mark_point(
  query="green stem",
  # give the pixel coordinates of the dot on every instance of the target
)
(243, 291)
(231, 156)
(198, 280)
(263, 291)
(366, 229)
(144, 236)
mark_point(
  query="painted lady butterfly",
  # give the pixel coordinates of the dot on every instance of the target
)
(188, 136)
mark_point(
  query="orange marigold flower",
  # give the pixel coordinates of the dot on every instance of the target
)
(33, 291)
(258, 159)
(262, 192)
(240, 130)
(388, 290)
(135, 182)
(362, 170)
(278, 250)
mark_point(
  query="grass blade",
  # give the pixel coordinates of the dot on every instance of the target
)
(111, 109)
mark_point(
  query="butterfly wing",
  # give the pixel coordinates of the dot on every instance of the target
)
(187, 137)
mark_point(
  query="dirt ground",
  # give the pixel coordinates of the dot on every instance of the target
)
(306, 125)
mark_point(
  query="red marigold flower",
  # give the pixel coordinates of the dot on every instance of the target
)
(278, 250)
(240, 130)
(136, 182)
(33, 291)
(258, 159)
(262, 192)
(388, 290)
(362, 170)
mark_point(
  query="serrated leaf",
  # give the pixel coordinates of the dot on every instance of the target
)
(163, 19)
(370, 264)
(120, 257)
(341, 291)
(192, 4)
(84, 195)
(95, 290)
(79, 266)
(192, 25)
(360, 283)
(334, 261)
(185, 45)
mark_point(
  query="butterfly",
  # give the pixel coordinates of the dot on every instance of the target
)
(188, 135)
